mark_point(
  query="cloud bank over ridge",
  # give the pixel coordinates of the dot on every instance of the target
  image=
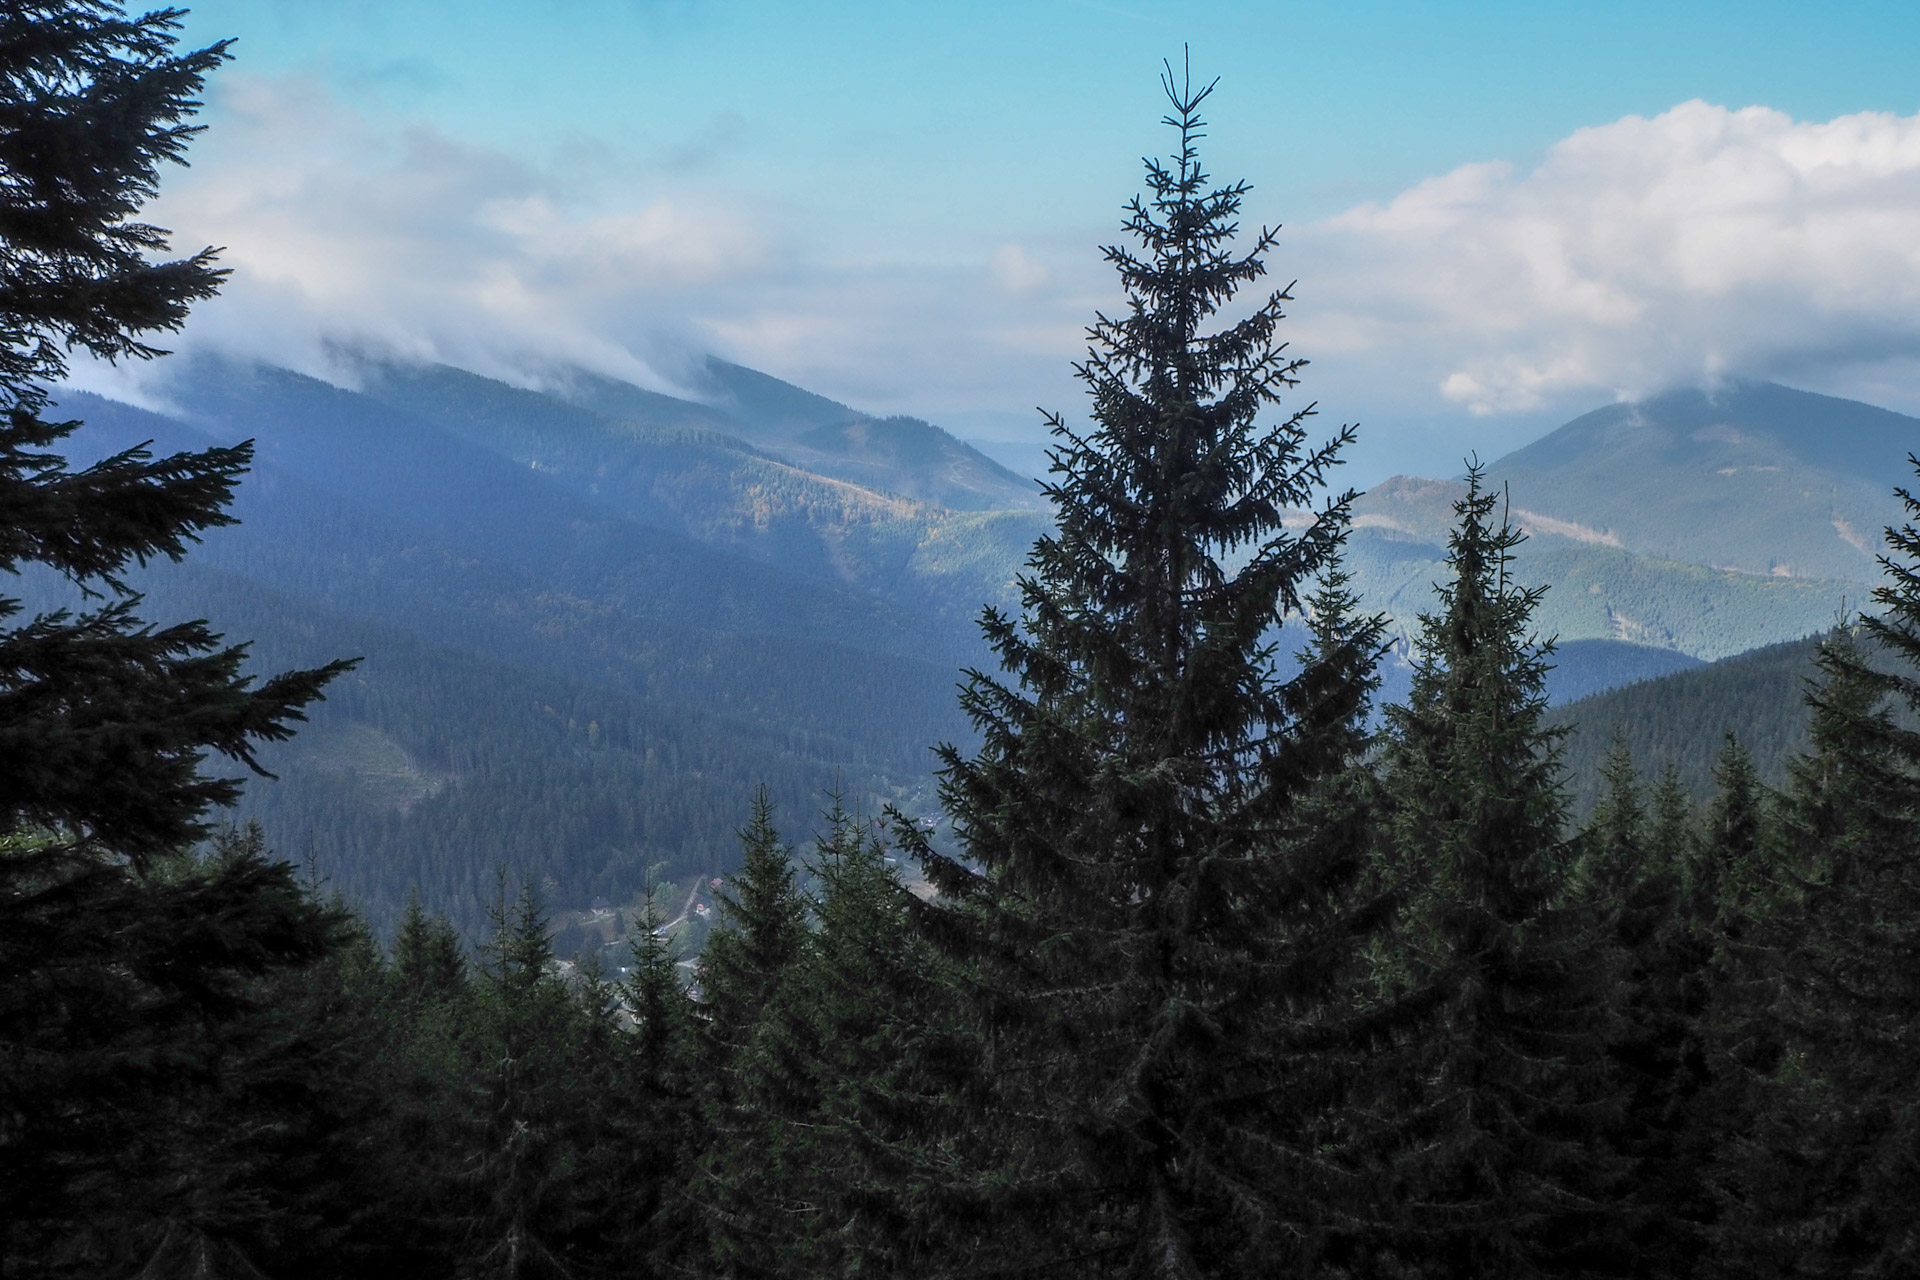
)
(1697, 245)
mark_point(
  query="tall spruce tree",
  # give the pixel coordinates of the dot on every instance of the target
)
(1155, 934)
(105, 722)
(1672, 839)
(1727, 890)
(108, 959)
(1823, 1181)
(1505, 1094)
(134, 1045)
(853, 1079)
(757, 936)
(428, 961)
(1631, 878)
(756, 1090)
(656, 1129)
(528, 1207)
(1728, 869)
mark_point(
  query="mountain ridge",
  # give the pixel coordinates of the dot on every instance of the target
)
(818, 434)
(644, 590)
(1754, 477)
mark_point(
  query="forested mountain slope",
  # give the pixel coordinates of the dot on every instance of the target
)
(896, 455)
(496, 607)
(668, 471)
(1599, 592)
(1704, 522)
(433, 766)
(766, 586)
(1755, 477)
(586, 638)
(1684, 719)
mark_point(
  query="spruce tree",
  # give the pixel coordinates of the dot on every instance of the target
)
(1727, 978)
(105, 722)
(138, 1037)
(1616, 833)
(428, 963)
(761, 920)
(657, 1133)
(1729, 868)
(756, 1088)
(1672, 839)
(663, 1019)
(1156, 940)
(1634, 887)
(1505, 1171)
(525, 1197)
(1824, 1180)
(109, 948)
(854, 1075)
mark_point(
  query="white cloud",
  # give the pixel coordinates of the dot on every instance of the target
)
(1700, 244)
(1018, 273)
(349, 231)
(342, 231)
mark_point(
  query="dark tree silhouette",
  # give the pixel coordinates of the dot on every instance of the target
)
(109, 959)
(1157, 930)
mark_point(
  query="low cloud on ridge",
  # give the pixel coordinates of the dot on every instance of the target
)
(1698, 245)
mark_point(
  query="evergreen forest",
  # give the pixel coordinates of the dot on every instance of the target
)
(1227, 962)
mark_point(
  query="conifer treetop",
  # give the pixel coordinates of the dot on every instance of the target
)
(106, 722)
(1160, 885)
(92, 103)
(1152, 606)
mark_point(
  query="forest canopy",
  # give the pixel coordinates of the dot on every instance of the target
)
(1223, 973)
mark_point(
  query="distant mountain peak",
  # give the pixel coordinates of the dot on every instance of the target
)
(1751, 476)
(1825, 431)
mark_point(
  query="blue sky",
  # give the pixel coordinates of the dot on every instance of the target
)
(1499, 214)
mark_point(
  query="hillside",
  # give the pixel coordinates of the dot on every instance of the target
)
(902, 456)
(1608, 593)
(432, 766)
(1757, 477)
(547, 686)
(1684, 719)
(727, 493)
(595, 616)
(1708, 523)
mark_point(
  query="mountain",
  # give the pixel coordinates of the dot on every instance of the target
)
(595, 617)
(1582, 668)
(1602, 593)
(1757, 478)
(901, 456)
(1684, 719)
(1707, 523)
(1725, 526)
(1576, 669)
(434, 766)
(775, 409)
(560, 683)
(931, 562)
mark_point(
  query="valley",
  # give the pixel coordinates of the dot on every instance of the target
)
(595, 617)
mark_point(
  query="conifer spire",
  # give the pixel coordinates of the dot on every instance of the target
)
(1841, 950)
(1155, 926)
(105, 722)
(1507, 1179)
(757, 936)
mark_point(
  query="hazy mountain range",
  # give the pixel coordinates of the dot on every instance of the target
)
(1692, 526)
(594, 617)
